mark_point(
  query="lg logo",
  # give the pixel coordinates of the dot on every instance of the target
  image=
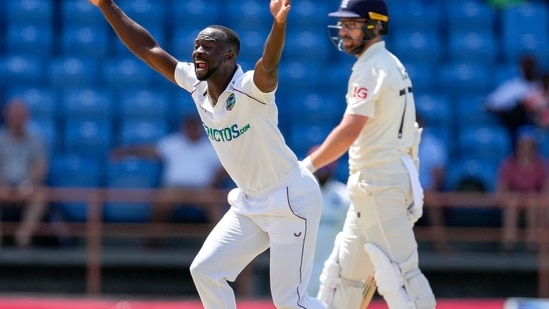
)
(360, 92)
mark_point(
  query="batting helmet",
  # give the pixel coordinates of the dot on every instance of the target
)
(369, 9)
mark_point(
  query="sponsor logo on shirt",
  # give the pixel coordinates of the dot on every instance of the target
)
(226, 134)
(360, 92)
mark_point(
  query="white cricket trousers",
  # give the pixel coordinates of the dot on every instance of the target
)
(286, 221)
(379, 198)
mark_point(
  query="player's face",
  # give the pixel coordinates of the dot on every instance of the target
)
(350, 32)
(16, 115)
(208, 53)
(526, 148)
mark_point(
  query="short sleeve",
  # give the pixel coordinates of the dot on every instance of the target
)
(250, 87)
(163, 146)
(185, 76)
(243, 83)
(366, 83)
(505, 172)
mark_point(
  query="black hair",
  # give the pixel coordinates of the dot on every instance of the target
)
(231, 37)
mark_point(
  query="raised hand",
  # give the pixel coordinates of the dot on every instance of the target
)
(279, 9)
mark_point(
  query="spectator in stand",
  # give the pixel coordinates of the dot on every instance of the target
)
(507, 100)
(23, 169)
(523, 172)
(433, 158)
(334, 210)
(537, 102)
(189, 161)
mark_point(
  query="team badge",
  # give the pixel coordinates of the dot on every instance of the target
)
(229, 104)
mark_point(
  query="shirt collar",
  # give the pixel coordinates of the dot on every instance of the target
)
(372, 50)
(239, 72)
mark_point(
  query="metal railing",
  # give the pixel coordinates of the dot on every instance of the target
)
(94, 229)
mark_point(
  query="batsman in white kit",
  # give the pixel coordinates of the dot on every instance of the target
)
(380, 133)
(278, 203)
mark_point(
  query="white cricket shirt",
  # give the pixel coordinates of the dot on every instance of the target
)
(243, 129)
(380, 89)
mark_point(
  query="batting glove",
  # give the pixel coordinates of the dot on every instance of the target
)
(308, 164)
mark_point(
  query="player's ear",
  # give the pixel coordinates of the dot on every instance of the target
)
(228, 56)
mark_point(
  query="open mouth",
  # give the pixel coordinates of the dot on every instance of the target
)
(200, 65)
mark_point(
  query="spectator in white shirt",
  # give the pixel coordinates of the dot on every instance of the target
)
(507, 100)
(189, 161)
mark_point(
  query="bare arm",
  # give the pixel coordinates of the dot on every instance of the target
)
(338, 141)
(502, 186)
(266, 68)
(37, 172)
(138, 40)
(438, 175)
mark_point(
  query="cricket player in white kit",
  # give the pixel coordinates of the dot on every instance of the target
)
(277, 204)
(379, 131)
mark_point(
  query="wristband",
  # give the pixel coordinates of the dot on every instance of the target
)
(308, 163)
